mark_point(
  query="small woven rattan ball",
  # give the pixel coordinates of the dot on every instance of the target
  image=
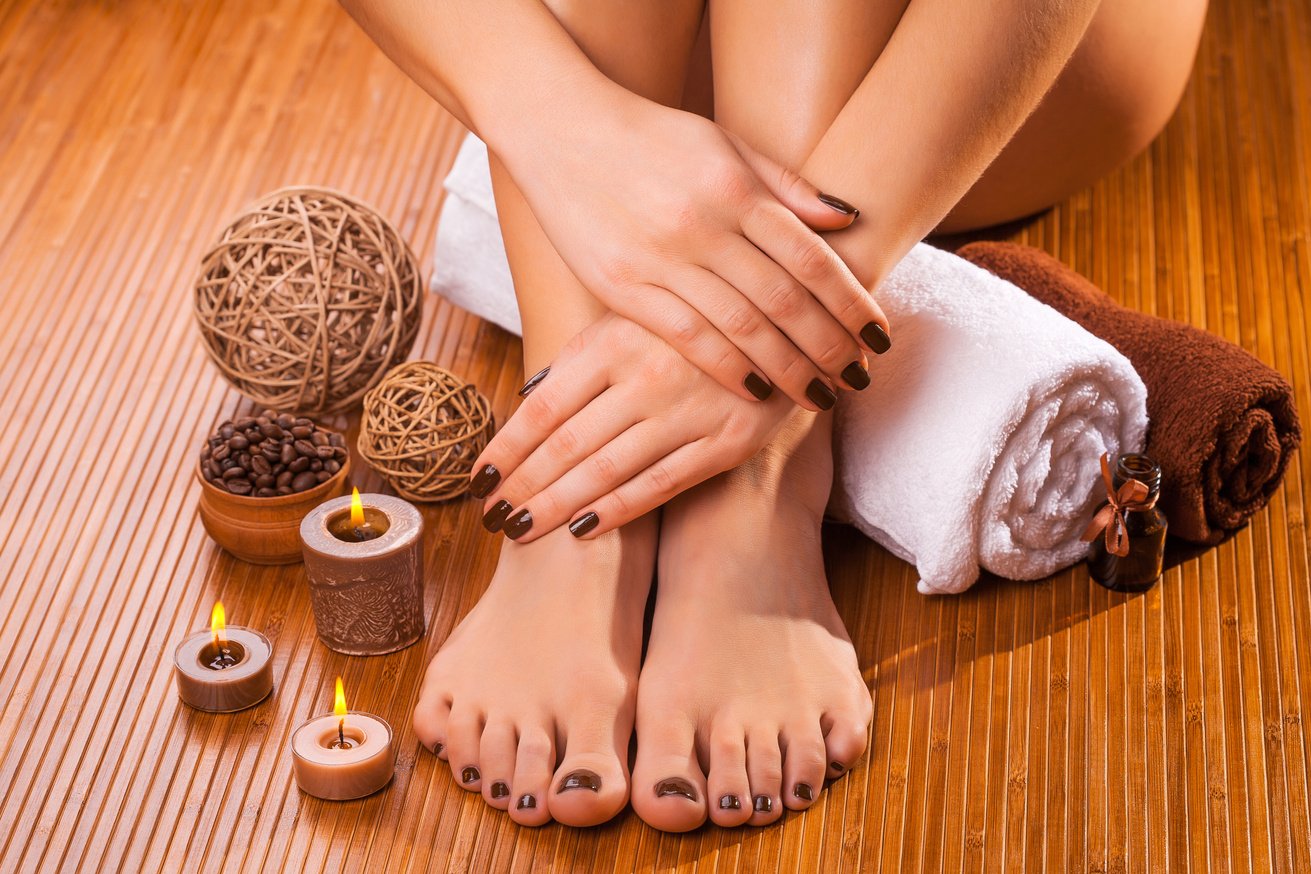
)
(307, 300)
(423, 428)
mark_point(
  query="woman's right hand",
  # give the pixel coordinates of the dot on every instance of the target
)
(677, 225)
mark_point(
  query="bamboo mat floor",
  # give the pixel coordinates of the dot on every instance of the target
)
(1020, 725)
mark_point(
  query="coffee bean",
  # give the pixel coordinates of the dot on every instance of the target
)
(336, 439)
(272, 451)
(303, 481)
(264, 493)
(245, 422)
(327, 451)
(206, 452)
(244, 460)
(283, 490)
(222, 452)
(339, 452)
(332, 466)
(299, 464)
(323, 476)
(318, 438)
(305, 423)
(285, 421)
(221, 485)
(239, 486)
(306, 448)
(316, 465)
(284, 478)
(238, 443)
(300, 432)
(265, 481)
(233, 472)
(225, 430)
(272, 431)
(260, 465)
(263, 418)
(287, 453)
(213, 470)
(255, 436)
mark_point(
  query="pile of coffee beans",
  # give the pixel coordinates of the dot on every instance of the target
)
(270, 455)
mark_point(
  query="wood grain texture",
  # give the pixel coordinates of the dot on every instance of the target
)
(1050, 725)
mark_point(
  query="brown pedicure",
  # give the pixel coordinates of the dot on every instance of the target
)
(584, 524)
(518, 524)
(437, 748)
(837, 203)
(764, 804)
(821, 395)
(495, 517)
(580, 780)
(837, 766)
(533, 382)
(675, 786)
(757, 386)
(804, 792)
(856, 376)
(527, 802)
(484, 481)
(500, 790)
(876, 338)
(730, 802)
(470, 775)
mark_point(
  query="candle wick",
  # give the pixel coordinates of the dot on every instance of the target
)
(341, 732)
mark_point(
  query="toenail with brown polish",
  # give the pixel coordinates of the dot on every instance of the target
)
(500, 790)
(580, 780)
(470, 775)
(527, 802)
(484, 481)
(764, 804)
(584, 524)
(518, 524)
(730, 802)
(757, 386)
(495, 517)
(821, 395)
(837, 766)
(675, 786)
(876, 338)
(856, 376)
(804, 792)
(533, 382)
(437, 748)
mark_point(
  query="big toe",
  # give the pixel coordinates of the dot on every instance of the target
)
(591, 784)
(669, 789)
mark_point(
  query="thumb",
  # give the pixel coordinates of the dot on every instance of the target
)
(822, 212)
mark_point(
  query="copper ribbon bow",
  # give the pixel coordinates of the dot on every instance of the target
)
(1110, 518)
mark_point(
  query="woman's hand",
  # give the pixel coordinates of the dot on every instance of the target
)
(675, 224)
(620, 424)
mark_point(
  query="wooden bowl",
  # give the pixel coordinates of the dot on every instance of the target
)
(263, 530)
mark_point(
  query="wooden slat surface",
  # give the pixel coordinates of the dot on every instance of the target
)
(1038, 725)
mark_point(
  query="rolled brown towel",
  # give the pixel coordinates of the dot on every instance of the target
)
(1221, 424)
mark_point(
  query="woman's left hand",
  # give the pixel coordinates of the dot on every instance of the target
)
(620, 424)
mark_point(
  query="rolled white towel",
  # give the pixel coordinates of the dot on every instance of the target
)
(977, 444)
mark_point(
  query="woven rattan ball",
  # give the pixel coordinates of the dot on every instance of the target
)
(307, 300)
(423, 428)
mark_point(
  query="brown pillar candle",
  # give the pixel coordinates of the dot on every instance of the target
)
(365, 567)
(223, 669)
(342, 755)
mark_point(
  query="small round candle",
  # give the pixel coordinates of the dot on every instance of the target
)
(342, 755)
(223, 669)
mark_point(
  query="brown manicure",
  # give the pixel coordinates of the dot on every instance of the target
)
(495, 517)
(584, 524)
(527, 802)
(764, 804)
(876, 338)
(757, 386)
(730, 802)
(856, 376)
(838, 204)
(580, 780)
(470, 775)
(675, 786)
(803, 791)
(484, 481)
(500, 790)
(518, 524)
(821, 395)
(533, 382)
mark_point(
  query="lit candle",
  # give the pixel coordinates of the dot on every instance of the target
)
(343, 754)
(225, 668)
(364, 558)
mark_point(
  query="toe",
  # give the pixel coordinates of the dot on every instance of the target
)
(496, 757)
(591, 784)
(765, 775)
(728, 792)
(431, 716)
(669, 790)
(845, 737)
(804, 764)
(463, 744)
(534, 762)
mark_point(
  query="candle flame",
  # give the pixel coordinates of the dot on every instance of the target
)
(339, 703)
(217, 623)
(357, 509)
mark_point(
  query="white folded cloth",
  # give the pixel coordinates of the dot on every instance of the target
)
(977, 444)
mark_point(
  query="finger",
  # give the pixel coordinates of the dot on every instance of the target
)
(746, 327)
(823, 212)
(670, 317)
(818, 269)
(607, 469)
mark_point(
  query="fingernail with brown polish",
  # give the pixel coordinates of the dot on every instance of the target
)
(856, 376)
(837, 203)
(764, 804)
(821, 395)
(484, 481)
(527, 802)
(758, 387)
(518, 524)
(584, 524)
(500, 790)
(730, 802)
(580, 780)
(804, 792)
(495, 517)
(675, 786)
(533, 382)
(470, 775)
(876, 338)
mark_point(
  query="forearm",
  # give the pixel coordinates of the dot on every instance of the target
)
(949, 91)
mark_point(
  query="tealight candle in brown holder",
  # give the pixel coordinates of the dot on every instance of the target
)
(342, 755)
(223, 669)
(364, 558)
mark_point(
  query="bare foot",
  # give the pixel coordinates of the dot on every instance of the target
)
(530, 700)
(750, 695)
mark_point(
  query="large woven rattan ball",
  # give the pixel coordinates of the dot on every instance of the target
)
(307, 300)
(423, 428)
